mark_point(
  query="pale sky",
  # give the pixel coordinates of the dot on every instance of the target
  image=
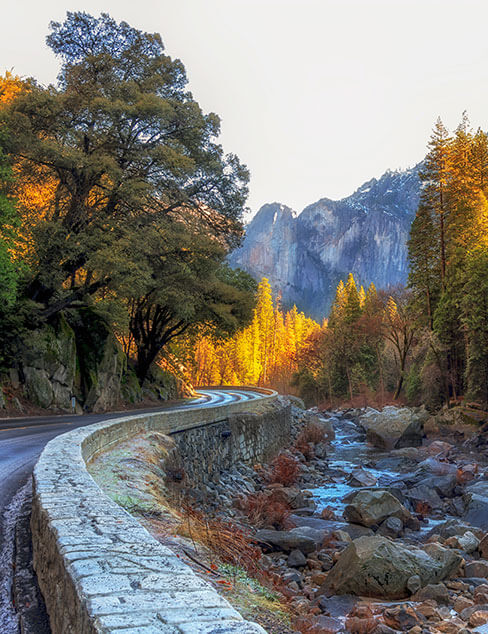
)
(315, 96)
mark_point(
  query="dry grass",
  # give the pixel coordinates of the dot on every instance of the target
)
(313, 433)
(266, 509)
(285, 470)
(225, 540)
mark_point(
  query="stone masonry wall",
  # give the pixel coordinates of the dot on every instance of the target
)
(99, 570)
(252, 437)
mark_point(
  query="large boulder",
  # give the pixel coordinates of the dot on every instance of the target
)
(285, 540)
(379, 567)
(370, 508)
(393, 428)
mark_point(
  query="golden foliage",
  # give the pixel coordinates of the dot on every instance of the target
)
(264, 353)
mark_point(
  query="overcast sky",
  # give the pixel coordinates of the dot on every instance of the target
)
(315, 96)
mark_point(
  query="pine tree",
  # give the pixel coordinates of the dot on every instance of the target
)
(435, 176)
(423, 253)
(475, 320)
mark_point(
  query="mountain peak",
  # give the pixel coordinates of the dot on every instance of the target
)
(304, 256)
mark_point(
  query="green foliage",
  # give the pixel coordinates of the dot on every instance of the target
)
(122, 145)
(139, 204)
(475, 320)
(9, 224)
(413, 385)
(447, 249)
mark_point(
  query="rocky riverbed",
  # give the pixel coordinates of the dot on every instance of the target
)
(386, 529)
(371, 521)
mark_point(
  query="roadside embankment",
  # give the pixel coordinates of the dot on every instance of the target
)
(98, 569)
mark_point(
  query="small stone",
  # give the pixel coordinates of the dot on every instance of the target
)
(444, 612)
(314, 564)
(414, 583)
(476, 569)
(461, 603)
(483, 547)
(436, 591)
(454, 626)
(382, 628)
(401, 617)
(468, 542)
(391, 527)
(296, 559)
(428, 609)
(318, 578)
(480, 594)
(478, 618)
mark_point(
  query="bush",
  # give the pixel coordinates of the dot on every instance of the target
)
(266, 509)
(311, 433)
(227, 541)
(284, 470)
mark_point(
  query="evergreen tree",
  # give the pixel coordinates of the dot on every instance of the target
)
(475, 320)
(435, 180)
(424, 258)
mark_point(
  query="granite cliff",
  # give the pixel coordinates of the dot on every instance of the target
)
(305, 255)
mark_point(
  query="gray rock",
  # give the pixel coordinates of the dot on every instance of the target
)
(296, 559)
(425, 495)
(393, 428)
(476, 510)
(391, 527)
(38, 387)
(378, 567)
(359, 477)
(454, 528)
(443, 485)
(414, 583)
(305, 256)
(317, 535)
(468, 542)
(285, 540)
(370, 508)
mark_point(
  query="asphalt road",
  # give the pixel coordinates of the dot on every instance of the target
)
(21, 442)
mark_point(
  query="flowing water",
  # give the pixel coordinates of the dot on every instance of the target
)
(349, 451)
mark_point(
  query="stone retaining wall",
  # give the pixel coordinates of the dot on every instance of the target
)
(250, 437)
(98, 569)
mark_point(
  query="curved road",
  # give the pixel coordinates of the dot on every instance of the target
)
(21, 442)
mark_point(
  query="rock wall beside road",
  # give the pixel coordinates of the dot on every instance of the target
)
(99, 570)
(250, 437)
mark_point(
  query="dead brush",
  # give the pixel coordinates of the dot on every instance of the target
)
(225, 541)
(266, 509)
(305, 448)
(311, 433)
(285, 470)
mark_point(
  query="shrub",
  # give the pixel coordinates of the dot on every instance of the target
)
(284, 470)
(230, 543)
(311, 433)
(266, 509)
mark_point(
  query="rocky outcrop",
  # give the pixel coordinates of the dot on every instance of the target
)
(49, 365)
(79, 356)
(379, 567)
(394, 428)
(304, 256)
